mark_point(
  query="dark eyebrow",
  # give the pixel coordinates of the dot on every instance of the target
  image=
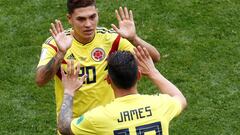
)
(83, 17)
(80, 18)
(93, 15)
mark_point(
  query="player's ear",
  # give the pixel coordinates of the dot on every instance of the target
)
(139, 74)
(69, 17)
(109, 81)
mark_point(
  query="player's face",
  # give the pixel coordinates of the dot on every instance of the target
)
(84, 22)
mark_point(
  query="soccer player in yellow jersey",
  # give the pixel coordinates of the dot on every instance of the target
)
(130, 113)
(89, 45)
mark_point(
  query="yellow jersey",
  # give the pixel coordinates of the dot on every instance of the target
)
(129, 115)
(92, 57)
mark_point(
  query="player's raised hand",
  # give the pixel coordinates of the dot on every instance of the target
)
(70, 80)
(126, 24)
(63, 42)
(144, 60)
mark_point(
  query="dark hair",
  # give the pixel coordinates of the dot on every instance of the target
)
(73, 4)
(122, 69)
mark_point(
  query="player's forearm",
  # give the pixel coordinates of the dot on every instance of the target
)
(46, 73)
(166, 87)
(137, 41)
(65, 116)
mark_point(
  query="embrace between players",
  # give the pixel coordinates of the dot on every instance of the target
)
(96, 72)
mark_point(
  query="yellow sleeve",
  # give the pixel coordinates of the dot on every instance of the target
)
(124, 44)
(82, 126)
(49, 50)
(172, 105)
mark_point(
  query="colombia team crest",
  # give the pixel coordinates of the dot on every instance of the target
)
(98, 54)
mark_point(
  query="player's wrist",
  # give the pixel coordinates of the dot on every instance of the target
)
(153, 74)
(60, 54)
(133, 39)
(68, 92)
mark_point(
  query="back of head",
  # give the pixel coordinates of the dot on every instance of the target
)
(122, 69)
(73, 4)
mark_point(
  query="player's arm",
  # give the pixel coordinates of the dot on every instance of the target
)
(65, 116)
(46, 72)
(146, 66)
(127, 30)
(71, 83)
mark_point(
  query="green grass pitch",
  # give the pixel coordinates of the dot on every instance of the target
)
(199, 42)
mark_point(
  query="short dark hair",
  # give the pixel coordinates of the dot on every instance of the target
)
(73, 4)
(122, 69)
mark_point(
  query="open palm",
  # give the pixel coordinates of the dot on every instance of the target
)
(70, 80)
(63, 41)
(126, 24)
(144, 60)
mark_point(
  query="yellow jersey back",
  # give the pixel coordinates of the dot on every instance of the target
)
(129, 115)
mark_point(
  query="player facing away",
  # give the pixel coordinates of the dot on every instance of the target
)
(90, 46)
(130, 113)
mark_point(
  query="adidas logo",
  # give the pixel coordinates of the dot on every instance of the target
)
(71, 57)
